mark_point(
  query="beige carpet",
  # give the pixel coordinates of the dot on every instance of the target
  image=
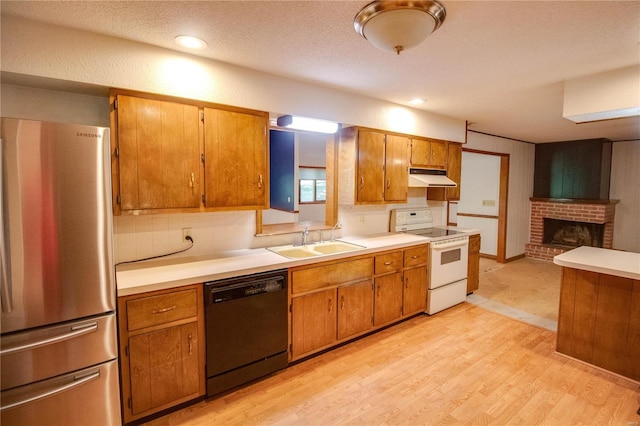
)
(528, 285)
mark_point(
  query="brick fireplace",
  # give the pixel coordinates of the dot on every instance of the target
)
(581, 222)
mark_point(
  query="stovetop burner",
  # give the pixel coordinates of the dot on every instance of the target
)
(434, 232)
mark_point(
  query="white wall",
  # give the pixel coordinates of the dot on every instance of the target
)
(521, 167)
(36, 49)
(625, 186)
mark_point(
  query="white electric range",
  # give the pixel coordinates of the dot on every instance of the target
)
(448, 254)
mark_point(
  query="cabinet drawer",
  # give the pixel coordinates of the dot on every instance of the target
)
(332, 274)
(415, 256)
(161, 309)
(388, 262)
(474, 243)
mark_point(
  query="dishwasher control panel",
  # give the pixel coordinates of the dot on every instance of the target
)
(221, 291)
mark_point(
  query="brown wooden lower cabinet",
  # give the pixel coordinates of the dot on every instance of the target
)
(161, 350)
(313, 321)
(473, 264)
(355, 309)
(387, 299)
(414, 298)
(332, 302)
(599, 320)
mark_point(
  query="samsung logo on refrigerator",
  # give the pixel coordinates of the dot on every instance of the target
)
(88, 135)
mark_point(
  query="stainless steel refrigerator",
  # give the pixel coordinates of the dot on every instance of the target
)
(58, 343)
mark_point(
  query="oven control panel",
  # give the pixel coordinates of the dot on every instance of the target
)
(410, 218)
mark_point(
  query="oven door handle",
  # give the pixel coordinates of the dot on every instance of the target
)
(442, 246)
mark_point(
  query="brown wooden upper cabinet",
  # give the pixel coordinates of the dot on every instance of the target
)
(431, 153)
(454, 172)
(378, 164)
(158, 155)
(177, 155)
(235, 153)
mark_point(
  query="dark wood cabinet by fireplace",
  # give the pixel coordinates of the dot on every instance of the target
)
(573, 170)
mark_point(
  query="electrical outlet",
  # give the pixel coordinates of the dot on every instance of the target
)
(361, 218)
(186, 232)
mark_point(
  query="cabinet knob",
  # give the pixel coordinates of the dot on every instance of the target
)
(361, 182)
(190, 338)
(192, 182)
(388, 183)
(342, 302)
(260, 181)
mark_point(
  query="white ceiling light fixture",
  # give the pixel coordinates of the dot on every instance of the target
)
(308, 124)
(399, 25)
(191, 42)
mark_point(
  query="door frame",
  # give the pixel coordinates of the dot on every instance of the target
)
(503, 199)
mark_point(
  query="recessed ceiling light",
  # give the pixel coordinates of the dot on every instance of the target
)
(416, 101)
(191, 42)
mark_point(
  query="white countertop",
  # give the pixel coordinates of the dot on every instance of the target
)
(605, 261)
(134, 278)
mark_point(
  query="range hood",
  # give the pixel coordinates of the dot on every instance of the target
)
(428, 178)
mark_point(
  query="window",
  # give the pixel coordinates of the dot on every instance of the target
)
(313, 185)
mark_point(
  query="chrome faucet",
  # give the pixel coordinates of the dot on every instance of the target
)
(332, 229)
(305, 235)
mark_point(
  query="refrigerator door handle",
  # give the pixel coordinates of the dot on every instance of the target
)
(75, 332)
(7, 302)
(77, 381)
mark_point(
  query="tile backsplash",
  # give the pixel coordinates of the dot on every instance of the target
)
(137, 237)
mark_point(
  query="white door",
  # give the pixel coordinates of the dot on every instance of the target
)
(479, 198)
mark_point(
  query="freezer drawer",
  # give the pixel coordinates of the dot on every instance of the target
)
(86, 397)
(47, 352)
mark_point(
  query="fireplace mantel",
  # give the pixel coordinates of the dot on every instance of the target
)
(573, 200)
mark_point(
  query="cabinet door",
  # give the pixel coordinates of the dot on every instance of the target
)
(159, 154)
(473, 272)
(355, 309)
(420, 152)
(438, 158)
(370, 175)
(454, 170)
(387, 299)
(235, 159)
(396, 166)
(473, 264)
(164, 367)
(415, 291)
(313, 321)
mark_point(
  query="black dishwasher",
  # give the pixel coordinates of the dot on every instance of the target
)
(246, 329)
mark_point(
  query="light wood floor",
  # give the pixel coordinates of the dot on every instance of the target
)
(465, 365)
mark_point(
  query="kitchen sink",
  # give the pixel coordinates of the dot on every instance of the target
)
(314, 250)
(332, 247)
(294, 252)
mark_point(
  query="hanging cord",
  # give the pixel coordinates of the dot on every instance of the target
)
(158, 256)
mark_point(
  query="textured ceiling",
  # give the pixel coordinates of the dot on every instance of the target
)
(498, 64)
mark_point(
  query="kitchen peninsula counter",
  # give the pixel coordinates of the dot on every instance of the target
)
(599, 315)
(604, 261)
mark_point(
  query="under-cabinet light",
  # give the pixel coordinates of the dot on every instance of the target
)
(308, 124)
